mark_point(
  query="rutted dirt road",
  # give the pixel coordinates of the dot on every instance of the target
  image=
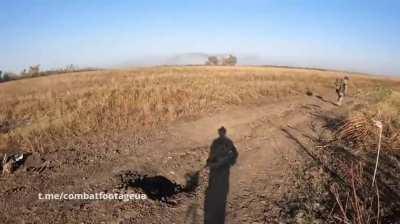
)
(265, 135)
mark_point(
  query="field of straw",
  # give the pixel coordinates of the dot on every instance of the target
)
(37, 114)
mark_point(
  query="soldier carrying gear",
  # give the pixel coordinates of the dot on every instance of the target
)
(341, 89)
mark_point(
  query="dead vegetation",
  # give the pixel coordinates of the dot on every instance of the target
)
(358, 129)
(372, 203)
(41, 114)
(47, 110)
(359, 202)
(350, 158)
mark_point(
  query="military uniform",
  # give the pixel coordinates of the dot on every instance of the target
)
(341, 89)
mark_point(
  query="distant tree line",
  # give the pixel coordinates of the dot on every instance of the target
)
(7, 76)
(229, 60)
(34, 71)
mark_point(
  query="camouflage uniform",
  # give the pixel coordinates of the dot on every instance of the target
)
(341, 89)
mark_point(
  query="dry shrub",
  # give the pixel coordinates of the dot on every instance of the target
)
(358, 130)
(357, 201)
(355, 130)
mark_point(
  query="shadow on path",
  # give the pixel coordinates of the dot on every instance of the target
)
(344, 154)
(304, 151)
(326, 101)
(223, 155)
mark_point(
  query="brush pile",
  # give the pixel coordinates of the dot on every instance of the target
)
(354, 151)
(359, 132)
(355, 131)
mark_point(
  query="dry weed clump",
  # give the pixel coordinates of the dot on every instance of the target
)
(356, 201)
(358, 131)
(355, 130)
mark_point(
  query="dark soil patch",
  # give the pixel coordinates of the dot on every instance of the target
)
(157, 187)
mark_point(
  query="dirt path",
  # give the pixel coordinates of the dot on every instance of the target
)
(260, 177)
(262, 172)
(263, 169)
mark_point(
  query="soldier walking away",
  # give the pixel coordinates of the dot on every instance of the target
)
(341, 89)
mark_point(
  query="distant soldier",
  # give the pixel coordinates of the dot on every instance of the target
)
(341, 89)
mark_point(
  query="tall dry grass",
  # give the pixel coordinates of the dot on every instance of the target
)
(359, 131)
(36, 114)
(359, 202)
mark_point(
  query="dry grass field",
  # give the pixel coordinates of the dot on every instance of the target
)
(37, 113)
(302, 159)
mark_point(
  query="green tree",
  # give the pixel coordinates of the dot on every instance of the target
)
(230, 60)
(212, 60)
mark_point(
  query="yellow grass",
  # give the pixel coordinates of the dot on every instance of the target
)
(383, 106)
(35, 114)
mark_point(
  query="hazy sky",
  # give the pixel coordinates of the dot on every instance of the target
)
(347, 35)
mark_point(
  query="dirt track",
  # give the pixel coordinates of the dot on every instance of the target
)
(267, 137)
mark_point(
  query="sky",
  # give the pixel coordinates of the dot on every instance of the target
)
(361, 36)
